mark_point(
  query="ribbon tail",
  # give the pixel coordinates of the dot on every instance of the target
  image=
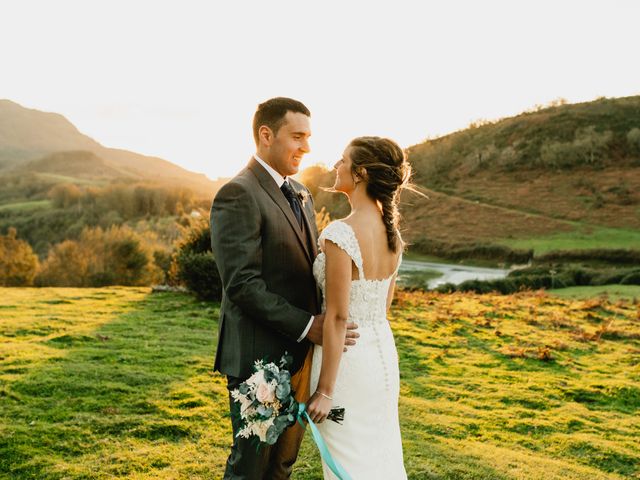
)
(333, 464)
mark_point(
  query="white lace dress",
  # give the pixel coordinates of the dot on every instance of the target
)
(368, 443)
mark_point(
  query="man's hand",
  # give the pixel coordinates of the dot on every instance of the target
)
(314, 335)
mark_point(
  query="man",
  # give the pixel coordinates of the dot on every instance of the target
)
(264, 237)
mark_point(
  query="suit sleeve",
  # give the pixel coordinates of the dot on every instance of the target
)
(237, 247)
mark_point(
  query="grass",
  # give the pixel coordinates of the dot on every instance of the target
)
(612, 292)
(25, 207)
(117, 383)
(583, 239)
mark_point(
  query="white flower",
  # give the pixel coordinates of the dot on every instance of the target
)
(303, 196)
(260, 429)
(266, 393)
(256, 379)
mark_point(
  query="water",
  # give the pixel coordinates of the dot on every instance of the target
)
(453, 273)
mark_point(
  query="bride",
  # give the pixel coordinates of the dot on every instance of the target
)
(356, 270)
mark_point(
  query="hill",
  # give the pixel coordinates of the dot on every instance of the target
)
(27, 135)
(80, 164)
(567, 171)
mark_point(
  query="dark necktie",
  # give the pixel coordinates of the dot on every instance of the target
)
(293, 201)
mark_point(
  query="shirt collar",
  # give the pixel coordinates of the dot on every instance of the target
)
(279, 179)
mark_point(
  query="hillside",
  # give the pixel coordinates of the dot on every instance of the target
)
(27, 135)
(567, 170)
(80, 164)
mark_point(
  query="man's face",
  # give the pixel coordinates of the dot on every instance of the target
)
(290, 144)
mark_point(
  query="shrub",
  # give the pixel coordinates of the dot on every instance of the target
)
(194, 264)
(457, 251)
(614, 256)
(115, 256)
(18, 263)
(632, 278)
(199, 273)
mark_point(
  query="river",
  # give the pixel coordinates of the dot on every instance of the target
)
(453, 273)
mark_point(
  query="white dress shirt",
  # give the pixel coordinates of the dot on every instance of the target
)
(279, 179)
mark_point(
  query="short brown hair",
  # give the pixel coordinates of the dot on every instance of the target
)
(272, 112)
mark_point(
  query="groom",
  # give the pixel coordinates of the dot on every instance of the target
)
(264, 236)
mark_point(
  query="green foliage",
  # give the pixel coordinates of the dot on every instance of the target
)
(65, 195)
(200, 274)
(75, 207)
(115, 256)
(614, 256)
(549, 276)
(18, 263)
(562, 136)
(194, 263)
(633, 139)
(456, 251)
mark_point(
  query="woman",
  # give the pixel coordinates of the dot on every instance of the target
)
(356, 270)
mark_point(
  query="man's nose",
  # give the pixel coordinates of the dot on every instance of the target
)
(305, 146)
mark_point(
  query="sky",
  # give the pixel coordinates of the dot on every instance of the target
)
(182, 79)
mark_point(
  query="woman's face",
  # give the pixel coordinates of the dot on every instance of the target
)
(345, 181)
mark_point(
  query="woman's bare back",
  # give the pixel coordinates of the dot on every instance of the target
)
(378, 261)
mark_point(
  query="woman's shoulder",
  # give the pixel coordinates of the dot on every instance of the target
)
(336, 228)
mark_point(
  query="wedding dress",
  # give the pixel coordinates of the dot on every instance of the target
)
(368, 443)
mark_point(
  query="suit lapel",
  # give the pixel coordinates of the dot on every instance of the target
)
(269, 186)
(307, 222)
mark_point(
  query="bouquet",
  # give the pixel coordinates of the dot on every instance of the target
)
(268, 407)
(267, 403)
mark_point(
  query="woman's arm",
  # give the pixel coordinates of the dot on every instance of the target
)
(338, 289)
(392, 288)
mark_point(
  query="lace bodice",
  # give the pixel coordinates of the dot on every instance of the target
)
(368, 298)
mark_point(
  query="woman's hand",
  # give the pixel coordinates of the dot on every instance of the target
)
(318, 407)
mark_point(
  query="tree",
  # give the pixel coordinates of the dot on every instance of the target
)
(116, 256)
(65, 195)
(18, 263)
(68, 264)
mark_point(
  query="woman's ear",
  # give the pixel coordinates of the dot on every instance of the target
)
(361, 173)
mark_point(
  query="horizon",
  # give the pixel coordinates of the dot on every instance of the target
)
(186, 89)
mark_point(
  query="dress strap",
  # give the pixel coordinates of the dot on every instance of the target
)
(344, 237)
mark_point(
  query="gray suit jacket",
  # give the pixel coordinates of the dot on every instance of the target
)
(265, 262)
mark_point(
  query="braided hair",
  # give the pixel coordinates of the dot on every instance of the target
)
(383, 165)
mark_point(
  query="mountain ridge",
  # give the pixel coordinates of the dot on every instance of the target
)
(28, 135)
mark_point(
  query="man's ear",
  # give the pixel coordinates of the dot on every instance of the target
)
(265, 135)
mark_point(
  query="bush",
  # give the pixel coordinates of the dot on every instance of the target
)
(631, 279)
(199, 273)
(454, 251)
(18, 263)
(115, 256)
(195, 266)
(614, 256)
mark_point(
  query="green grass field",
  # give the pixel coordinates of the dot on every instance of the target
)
(612, 292)
(25, 207)
(583, 238)
(117, 383)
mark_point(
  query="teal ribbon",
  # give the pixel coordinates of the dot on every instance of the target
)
(335, 467)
